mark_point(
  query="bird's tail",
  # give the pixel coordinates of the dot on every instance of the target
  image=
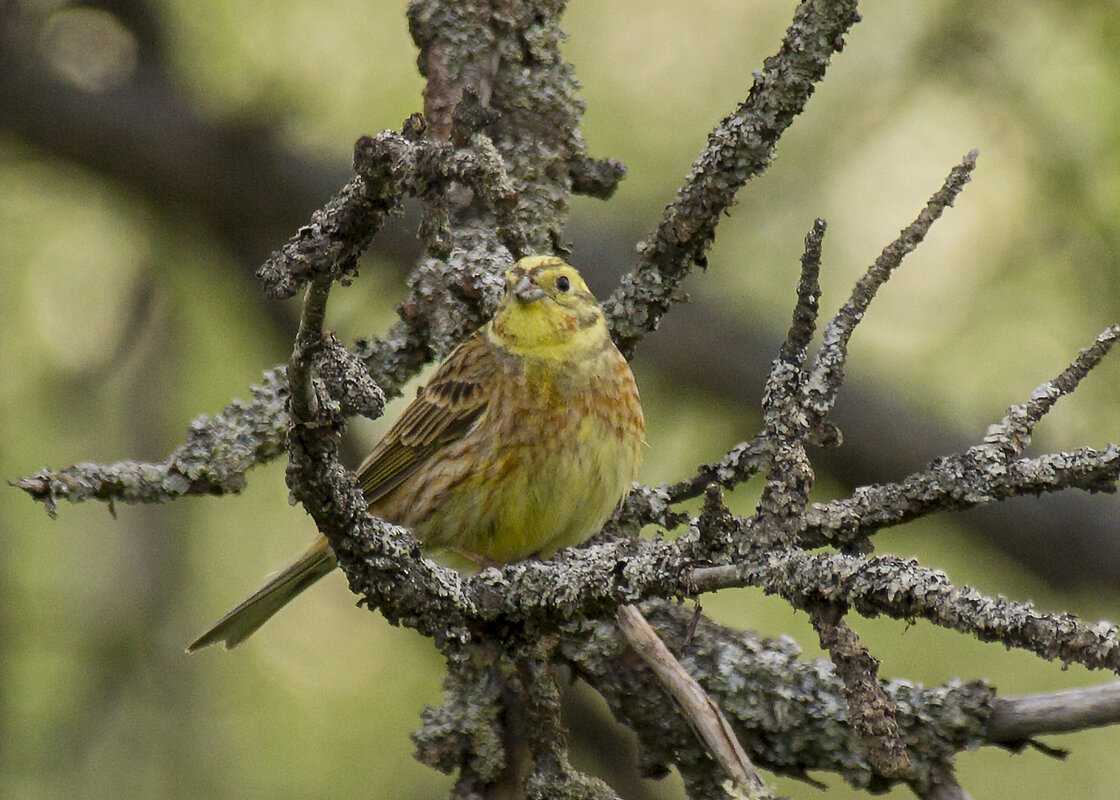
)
(240, 623)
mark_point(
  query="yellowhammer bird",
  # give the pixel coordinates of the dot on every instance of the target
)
(524, 441)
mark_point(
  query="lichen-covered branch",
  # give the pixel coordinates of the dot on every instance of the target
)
(985, 473)
(508, 54)
(465, 733)
(1013, 432)
(739, 148)
(331, 242)
(787, 427)
(828, 368)
(653, 504)
(399, 580)
(703, 714)
(212, 461)
(789, 713)
(978, 476)
(902, 589)
(389, 167)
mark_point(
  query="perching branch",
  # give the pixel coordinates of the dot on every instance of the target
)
(424, 595)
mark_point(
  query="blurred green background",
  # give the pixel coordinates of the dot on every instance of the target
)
(131, 308)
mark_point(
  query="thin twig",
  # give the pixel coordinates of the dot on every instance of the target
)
(1013, 432)
(702, 713)
(652, 504)
(808, 298)
(787, 427)
(828, 368)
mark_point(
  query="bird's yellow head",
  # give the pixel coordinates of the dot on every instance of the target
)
(548, 312)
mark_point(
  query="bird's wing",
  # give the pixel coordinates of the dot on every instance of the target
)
(442, 412)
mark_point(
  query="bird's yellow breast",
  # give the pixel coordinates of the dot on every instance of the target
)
(562, 448)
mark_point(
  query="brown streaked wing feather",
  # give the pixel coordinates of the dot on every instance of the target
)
(443, 411)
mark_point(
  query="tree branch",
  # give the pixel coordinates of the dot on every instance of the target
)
(978, 476)
(828, 368)
(702, 713)
(1016, 718)
(789, 713)
(740, 147)
(901, 589)
(482, 58)
(983, 473)
(213, 460)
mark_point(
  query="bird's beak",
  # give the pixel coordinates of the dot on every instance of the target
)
(526, 291)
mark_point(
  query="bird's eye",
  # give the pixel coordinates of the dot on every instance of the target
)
(563, 284)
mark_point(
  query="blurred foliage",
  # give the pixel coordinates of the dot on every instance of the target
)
(122, 323)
